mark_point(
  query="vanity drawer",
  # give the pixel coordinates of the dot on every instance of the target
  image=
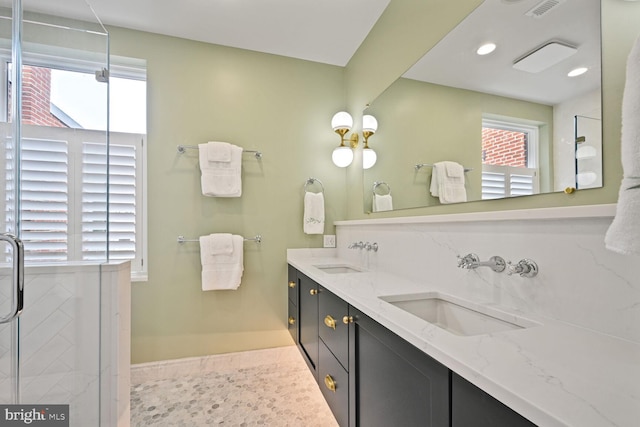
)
(333, 380)
(292, 285)
(332, 330)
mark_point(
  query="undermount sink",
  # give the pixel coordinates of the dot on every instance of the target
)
(457, 316)
(337, 269)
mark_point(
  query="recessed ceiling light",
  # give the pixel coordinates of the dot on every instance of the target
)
(486, 49)
(544, 57)
(577, 71)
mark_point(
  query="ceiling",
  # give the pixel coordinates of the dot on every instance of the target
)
(327, 31)
(454, 62)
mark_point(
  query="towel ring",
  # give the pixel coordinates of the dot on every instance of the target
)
(377, 184)
(312, 181)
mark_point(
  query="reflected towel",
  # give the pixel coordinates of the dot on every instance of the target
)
(382, 203)
(447, 182)
(313, 218)
(221, 179)
(221, 271)
(623, 236)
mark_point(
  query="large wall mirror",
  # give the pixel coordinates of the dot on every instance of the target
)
(522, 119)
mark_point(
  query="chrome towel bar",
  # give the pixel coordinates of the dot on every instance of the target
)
(183, 148)
(257, 239)
(429, 165)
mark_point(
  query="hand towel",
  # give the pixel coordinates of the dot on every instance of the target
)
(221, 179)
(218, 151)
(221, 271)
(220, 244)
(313, 218)
(447, 182)
(382, 203)
(623, 236)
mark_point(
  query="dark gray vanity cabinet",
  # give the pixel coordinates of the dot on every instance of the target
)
(292, 320)
(308, 340)
(392, 382)
(470, 406)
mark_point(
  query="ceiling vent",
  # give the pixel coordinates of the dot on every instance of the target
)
(541, 9)
(544, 57)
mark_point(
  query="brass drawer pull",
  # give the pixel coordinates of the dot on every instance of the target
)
(330, 383)
(347, 319)
(292, 284)
(330, 322)
(292, 320)
(313, 292)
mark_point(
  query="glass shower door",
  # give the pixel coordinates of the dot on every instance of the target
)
(53, 181)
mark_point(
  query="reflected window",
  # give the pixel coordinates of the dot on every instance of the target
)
(509, 159)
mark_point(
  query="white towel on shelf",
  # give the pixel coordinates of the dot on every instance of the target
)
(221, 270)
(447, 182)
(313, 217)
(220, 178)
(382, 202)
(623, 236)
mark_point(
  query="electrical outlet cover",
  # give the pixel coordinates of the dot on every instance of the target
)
(329, 241)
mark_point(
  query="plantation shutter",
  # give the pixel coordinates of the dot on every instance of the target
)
(45, 199)
(122, 202)
(507, 181)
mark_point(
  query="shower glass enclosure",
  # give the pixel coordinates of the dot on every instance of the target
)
(53, 181)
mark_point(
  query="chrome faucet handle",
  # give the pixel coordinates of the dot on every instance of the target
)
(356, 245)
(367, 246)
(468, 261)
(525, 268)
(374, 247)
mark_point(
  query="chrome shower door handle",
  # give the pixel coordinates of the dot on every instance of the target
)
(17, 300)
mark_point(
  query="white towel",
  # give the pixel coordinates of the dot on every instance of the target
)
(219, 151)
(623, 235)
(221, 270)
(221, 179)
(382, 202)
(313, 218)
(447, 182)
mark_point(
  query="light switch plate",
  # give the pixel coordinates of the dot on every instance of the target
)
(329, 241)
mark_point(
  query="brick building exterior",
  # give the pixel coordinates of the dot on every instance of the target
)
(36, 98)
(504, 147)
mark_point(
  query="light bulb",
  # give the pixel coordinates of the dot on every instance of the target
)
(369, 124)
(342, 120)
(342, 156)
(369, 158)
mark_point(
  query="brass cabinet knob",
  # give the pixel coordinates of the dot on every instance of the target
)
(292, 284)
(347, 319)
(292, 320)
(330, 322)
(313, 292)
(569, 190)
(330, 383)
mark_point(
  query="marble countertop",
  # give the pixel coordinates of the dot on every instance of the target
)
(554, 374)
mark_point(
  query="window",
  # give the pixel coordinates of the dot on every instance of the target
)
(64, 200)
(509, 159)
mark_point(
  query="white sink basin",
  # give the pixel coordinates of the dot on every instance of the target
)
(337, 268)
(458, 316)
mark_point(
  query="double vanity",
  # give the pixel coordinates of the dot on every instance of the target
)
(387, 349)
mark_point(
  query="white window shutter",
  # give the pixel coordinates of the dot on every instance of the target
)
(122, 202)
(44, 196)
(507, 181)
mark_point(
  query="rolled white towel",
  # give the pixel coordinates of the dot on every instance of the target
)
(623, 236)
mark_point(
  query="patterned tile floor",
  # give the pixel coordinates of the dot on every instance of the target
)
(266, 387)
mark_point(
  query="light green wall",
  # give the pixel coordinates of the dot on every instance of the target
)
(426, 123)
(620, 28)
(199, 92)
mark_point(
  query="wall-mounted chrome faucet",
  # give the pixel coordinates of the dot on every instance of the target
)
(524, 267)
(366, 246)
(472, 261)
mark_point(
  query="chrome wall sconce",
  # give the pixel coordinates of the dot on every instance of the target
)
(342, 156)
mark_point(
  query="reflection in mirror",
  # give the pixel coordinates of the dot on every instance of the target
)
(512, 120)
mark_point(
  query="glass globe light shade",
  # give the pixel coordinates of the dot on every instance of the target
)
(369, 124)
(369, 158)
(342, 156)
(342, 120)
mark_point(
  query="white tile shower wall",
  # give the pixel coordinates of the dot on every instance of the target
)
(579, 282)
(60, 333)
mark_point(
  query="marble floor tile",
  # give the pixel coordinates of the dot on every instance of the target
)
(263, 388)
